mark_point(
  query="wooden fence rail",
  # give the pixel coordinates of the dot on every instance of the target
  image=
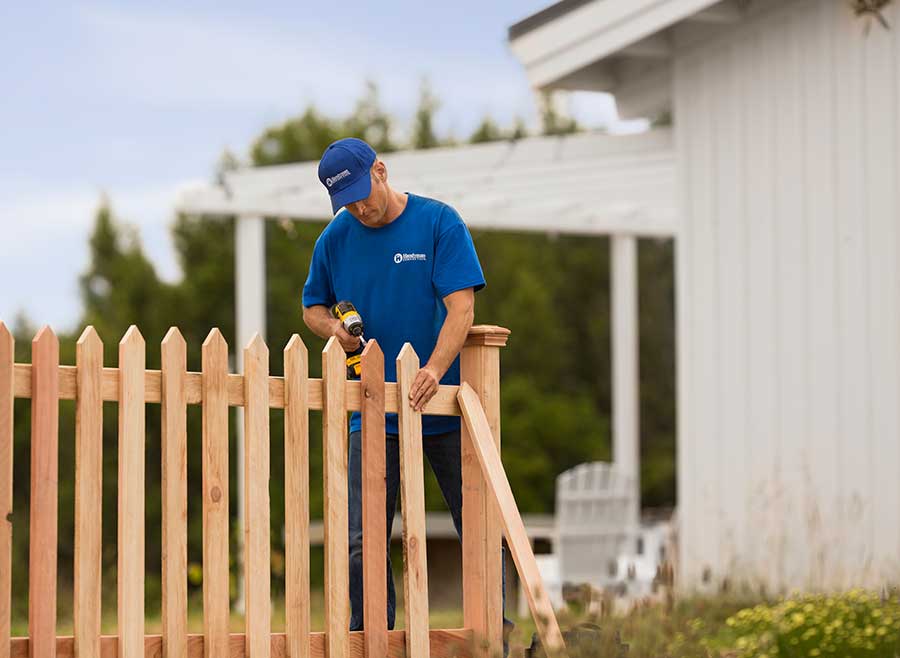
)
(131, 385)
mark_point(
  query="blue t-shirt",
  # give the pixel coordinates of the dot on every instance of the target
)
(397, 276)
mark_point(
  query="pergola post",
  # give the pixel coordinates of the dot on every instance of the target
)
(625, 391)
(250, 303)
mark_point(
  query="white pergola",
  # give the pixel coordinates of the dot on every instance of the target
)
(582, 184)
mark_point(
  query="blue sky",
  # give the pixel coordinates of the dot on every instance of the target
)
(134, 100)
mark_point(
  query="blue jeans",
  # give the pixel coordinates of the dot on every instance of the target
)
(443, 453)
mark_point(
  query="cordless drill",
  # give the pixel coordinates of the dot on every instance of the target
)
(352, 321)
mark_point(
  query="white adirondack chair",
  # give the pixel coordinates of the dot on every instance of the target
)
(595, 518)
(595, 524)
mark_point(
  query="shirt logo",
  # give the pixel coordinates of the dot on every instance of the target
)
(334, 179)
(402, 258)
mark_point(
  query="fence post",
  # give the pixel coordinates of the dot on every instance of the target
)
(482, 534)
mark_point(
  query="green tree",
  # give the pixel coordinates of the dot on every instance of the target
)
(487, 131)
(423, 135)
(296, 140)
(552, 122)
(369, 121)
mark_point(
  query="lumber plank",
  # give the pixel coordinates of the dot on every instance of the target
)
(257, 550)
(174, 495)
(296, 503)
(498, 486)
(373, 501)
(334, 455)
(88, 493)
(130, 573)
(450, 643)
(44, 476)
(214, 358)
(7, 396)
(412, 488)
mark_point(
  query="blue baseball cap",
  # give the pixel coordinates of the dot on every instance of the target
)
(344, 171)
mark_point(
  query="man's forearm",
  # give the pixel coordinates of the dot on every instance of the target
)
(451, 339)
(319, 320)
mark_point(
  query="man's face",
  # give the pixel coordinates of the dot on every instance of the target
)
(371, 211)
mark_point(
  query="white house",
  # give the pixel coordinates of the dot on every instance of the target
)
(786, 120)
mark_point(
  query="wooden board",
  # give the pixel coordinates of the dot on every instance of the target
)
(257, 551)
(174, 495)
(452, 643)
(88, 493)
(412, 487)
(215, 495)
(44, 476)
(296, 499)
(132, 362)
(334, 456)
(374, 494)
(489, 458)
(442, 404)
(7, 358)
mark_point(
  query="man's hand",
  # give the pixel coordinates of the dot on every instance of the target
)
(423, 387)
(349, 342)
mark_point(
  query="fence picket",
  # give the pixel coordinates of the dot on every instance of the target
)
(216, 600)
(296, 503)
(174, 495)
(7, 382)
(412, 486)
(257, 550)
(373, 501)
(132, 363)
(44, 474)
(334, 457)
(88, 493)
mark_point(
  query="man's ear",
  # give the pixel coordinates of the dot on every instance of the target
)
(380, 170)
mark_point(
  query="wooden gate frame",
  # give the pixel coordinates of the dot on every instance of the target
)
(89, 384)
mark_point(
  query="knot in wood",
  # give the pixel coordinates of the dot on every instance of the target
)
(216, 494)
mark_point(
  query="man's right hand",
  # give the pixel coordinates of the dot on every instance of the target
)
(349, 342)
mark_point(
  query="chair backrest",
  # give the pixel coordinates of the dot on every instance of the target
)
(594, 503)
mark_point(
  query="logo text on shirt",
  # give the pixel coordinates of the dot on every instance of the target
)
(402, 258)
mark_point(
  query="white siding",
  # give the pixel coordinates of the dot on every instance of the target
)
(789, 300)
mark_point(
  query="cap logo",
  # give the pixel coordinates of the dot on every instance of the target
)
(334, 179)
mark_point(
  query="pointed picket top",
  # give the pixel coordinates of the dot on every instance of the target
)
(90, 338)
(372, 350)
(173, 339)
(295, 346)
(333, 346)
(132, 337)
(407, 355)
(6, 337)
(45, 336)
(257, 346)
(215, 342)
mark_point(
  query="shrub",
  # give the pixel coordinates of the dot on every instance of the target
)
(856, 623)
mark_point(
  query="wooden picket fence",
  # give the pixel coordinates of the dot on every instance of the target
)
(487, 501)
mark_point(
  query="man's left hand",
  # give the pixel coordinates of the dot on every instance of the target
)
(423, 388)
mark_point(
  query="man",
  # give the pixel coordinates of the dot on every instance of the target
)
(409, 266)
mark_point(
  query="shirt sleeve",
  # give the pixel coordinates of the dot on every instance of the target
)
(318, 289)
(456, 264)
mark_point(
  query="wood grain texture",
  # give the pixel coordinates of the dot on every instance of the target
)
(88, 494)
(216, 604)
(44, 477)
(453, 643)
(498, 486)
(257, 550)
(7, 382)
(296, 503)
(442, 404)
(374, 501)
(132, 363)
(334, 455)
(174, 495)
(412, 488)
